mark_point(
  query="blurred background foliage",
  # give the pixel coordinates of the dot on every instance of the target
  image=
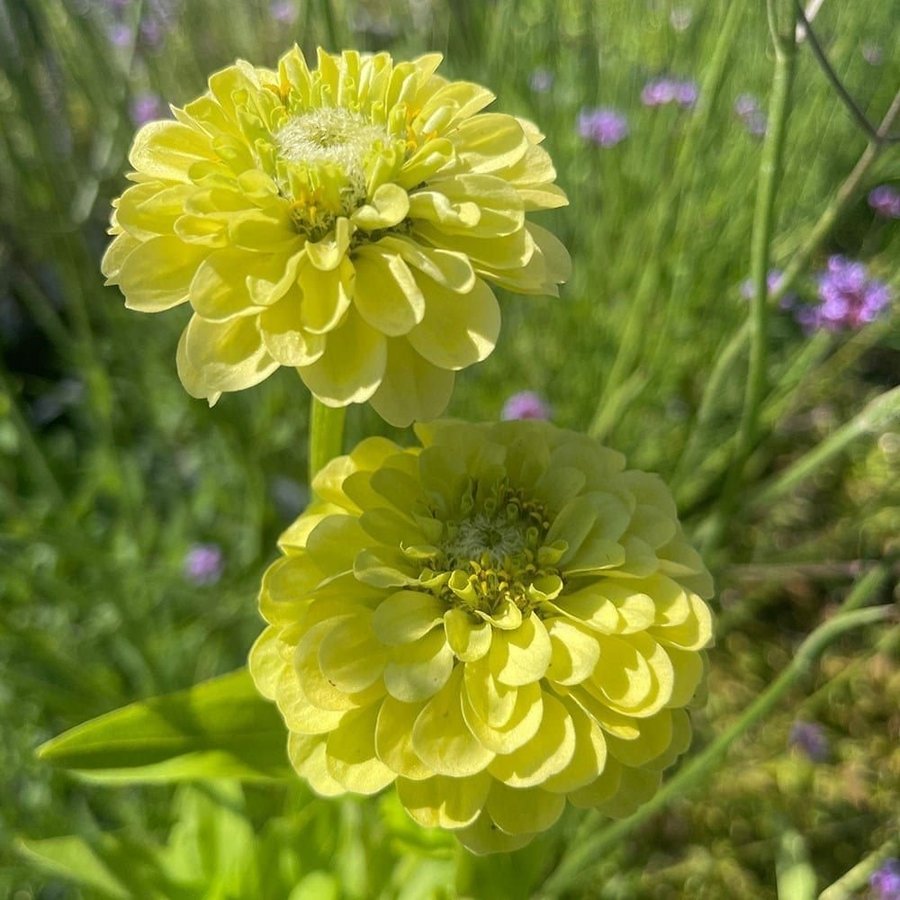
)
(110, 475)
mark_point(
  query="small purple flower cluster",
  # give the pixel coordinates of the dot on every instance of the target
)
(602, 125)
(810, 740)
(204, 563)
(541, 81)
(747, 109)
(885, 882)
(158, 19)
(773, 279)
(848, 298)
(146, 108)
(662, 91)
(525, 405)
(284, 12)
(885, 201)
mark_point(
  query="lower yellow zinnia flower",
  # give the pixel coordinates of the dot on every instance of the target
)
(345, 221)
(497, 622)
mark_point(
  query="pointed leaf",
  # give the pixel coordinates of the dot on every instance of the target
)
(220, 728)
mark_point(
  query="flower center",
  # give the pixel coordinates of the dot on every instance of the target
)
(337, 138)
(495, 552)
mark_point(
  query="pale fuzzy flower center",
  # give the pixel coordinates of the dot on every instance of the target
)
(336, 137)
(485, 535)
(494, 547)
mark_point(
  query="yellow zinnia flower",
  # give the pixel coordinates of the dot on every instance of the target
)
(500, 621)
(344, 220)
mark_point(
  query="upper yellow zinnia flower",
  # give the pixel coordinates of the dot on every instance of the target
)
(498, 622)
(345, 221)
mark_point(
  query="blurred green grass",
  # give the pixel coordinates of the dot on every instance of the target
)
(109, 472)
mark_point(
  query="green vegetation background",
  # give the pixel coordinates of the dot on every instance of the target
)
(109, 472)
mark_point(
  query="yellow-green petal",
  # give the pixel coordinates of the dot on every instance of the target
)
(523, 810)
(546, 754)
(412, 388)
(157, 275)
(443, 802)
(458, 330)
(289, 343)
(406, 616)
(222, 356)
(385, 294)
(441, 738)
(350, 754)
(352, 367)
(393, 739)
(418, 670)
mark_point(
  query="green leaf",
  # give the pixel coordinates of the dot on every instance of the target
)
(220, 728)
(115, 866)
(74, 858)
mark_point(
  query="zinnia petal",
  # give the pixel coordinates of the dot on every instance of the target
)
(222, 356)
(354, 372)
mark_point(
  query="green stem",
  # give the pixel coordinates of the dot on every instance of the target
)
(850, 883)
(326, 435)
(576, 865)
(844, 196)
(871, 579)
(763, 228)
(877, 414)
(798, 263)
(331, 26)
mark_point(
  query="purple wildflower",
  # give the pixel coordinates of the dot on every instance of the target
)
(746, 108)
(772, 281)
(283, 11)
(147, 108)
(525, 405)
(153, 32)
(745, 105)
(885, 882)
(809, 739)
(203, 563)
(885, 200)
(604, 126)
(119, 35)
(848, 298)
(658, 92)
(756, 123)
(661, 91)
(541, 81)
(686, 93)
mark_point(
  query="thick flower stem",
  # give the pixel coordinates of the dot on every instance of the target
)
(736, 346)
(326, 435)
(879, 413)
(576, 865)
(850, 883)
(783, 38)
